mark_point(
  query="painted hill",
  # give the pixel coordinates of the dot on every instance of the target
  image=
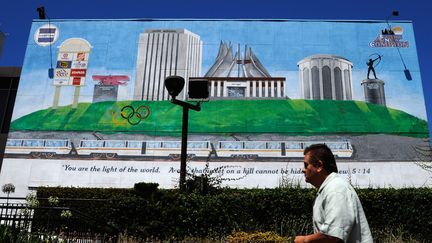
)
(293, 117)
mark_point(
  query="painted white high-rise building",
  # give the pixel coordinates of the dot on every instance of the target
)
(163, 53)
(325, 77)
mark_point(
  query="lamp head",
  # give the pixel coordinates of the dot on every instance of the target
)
(198, 89)
(174, 85)
(408, 74)
(51, 73)
(41, 12)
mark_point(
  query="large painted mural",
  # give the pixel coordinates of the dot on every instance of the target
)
(92, 109)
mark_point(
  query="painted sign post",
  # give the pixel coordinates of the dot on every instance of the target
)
(71, 69)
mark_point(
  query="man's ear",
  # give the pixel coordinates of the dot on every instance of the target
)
(320, 166)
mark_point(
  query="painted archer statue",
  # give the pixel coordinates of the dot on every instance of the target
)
(370, 65)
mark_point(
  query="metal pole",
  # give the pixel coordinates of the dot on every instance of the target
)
(184, 148)
(186, 106)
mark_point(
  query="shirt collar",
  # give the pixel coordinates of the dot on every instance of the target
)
(327, 181)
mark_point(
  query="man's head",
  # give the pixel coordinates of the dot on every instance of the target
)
(319, 162)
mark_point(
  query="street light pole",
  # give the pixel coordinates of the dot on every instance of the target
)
(185, 123)
(174, 85)
(183, 157)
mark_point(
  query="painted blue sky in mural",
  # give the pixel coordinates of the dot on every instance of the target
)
(16, 18)
(279, 46)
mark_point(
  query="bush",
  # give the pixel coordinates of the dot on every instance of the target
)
(287, 211)
(239, 237)
(145, 189)
(10, 234)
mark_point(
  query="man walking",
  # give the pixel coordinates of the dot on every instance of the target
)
(338, 215)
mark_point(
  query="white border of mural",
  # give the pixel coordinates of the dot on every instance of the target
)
(25, 174)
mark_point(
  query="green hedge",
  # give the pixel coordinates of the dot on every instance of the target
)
(146, 211)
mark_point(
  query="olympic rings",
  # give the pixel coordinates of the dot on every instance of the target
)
(134, 117)
(114, 120)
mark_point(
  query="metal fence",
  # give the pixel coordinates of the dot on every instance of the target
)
(16, 215)
(45, 222)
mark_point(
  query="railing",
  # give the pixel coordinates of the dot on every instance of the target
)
(45, 221)
(16, 215)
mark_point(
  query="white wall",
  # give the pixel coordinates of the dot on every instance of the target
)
(25, 173)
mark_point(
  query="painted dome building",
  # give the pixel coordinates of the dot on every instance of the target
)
(325, 77)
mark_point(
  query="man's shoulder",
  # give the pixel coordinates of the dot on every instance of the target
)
(338, 184)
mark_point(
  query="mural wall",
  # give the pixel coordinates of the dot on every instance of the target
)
(92, 110)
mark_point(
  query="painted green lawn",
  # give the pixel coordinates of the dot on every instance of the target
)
(294, 117)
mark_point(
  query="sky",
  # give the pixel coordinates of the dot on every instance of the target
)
(16, 18)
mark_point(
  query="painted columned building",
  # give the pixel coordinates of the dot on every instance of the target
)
(163, 53)
(242, 76)
(246, 87)
(325, 77)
